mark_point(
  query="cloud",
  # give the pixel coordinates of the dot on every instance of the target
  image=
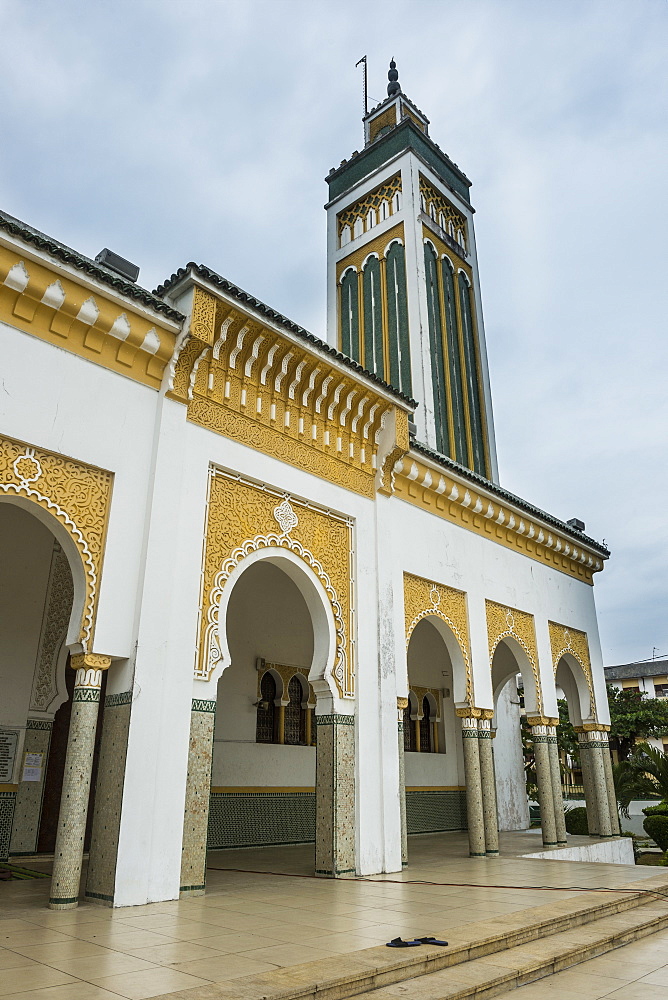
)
(199, 130)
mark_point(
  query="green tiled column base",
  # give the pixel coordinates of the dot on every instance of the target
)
(435, 812)
(259, 819)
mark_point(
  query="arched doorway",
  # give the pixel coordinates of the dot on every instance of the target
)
(40, 609)
(433, 757)
(514, 689)
(264, 771)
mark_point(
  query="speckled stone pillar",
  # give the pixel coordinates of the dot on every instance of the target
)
(76, 781)
(101, 877)
(488, 785)
(401, 704)
(29, 795)
(198, 792)
(610, 782)
(335, 795)
(557, 794)
(588, 783)
(599, 781)
(474, 807)
(541, 751)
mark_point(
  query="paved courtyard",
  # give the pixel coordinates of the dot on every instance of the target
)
(252, 921)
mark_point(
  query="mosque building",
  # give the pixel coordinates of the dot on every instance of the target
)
(260, 588)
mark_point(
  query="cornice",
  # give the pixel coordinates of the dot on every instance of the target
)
(46, 245)
(450, 491)
(264, 313)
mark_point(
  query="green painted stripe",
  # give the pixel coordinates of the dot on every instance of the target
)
(64, 901)
(99, 895)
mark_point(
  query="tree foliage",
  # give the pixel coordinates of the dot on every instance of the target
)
(634, 716)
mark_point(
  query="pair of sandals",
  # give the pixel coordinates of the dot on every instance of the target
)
(415, 943)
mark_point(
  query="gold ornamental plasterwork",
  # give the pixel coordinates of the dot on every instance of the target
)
(504, 622)
(570, 640)
(420, 694)
(425, 598)
(373, 200)
(77, 495)
(444, 494)
(244, 517)
(441, 206)
(244, 380)
(378, 246)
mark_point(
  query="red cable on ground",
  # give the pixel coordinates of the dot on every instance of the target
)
(462, 885)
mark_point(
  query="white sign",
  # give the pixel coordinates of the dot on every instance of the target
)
(32, 767)
(9, 739)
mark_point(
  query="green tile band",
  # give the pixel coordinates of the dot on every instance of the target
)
(116, 700)
(201, 705)
(86, 694)
(336, 720)
(43, 724)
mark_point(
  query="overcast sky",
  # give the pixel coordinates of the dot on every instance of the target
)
(173, 131)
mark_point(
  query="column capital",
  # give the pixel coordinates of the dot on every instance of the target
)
(541, 720)
(85, 661)
(402, 703)
(469, 713)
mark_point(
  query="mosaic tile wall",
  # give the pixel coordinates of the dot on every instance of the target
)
(252, 819)
(431, 812)
(29, 794)
(7, 800)
(101, 877)
(200, 756)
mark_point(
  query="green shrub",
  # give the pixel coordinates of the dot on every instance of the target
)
(659, 810)
(576, 821)
(656, 827)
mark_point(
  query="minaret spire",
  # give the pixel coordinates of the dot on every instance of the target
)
(393, 87)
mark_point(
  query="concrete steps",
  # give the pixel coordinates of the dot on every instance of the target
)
(483, 959)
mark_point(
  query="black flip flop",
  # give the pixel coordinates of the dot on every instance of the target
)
(431, 940)
(400, 943)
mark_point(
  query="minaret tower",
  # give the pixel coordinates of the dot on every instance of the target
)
(402, 278)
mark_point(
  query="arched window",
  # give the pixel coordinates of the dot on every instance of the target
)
(350, 328)
(472, 376)
(345, 235)
(371, 218)
(436, 350)
(265, 728)
(397, 319)
(384, 210)
(425, 727)
(409, 730)
(295, 715)
(441, 220)
(358, 228)
(454, 363)
(373, 318)
(432, 211)
(396, 201)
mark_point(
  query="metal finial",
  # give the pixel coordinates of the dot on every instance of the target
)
(393, 76)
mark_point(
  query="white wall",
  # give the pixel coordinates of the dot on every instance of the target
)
(512, 804)
(267, 617)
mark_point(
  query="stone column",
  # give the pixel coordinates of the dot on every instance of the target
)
(402, 703)
(557, 794)
(610, 782)
(335, 795)
(28, 808)
(474, 806)
(76, 781)
(488, 785)
(539, 735)
(198, 791)
(599, 781)
(588, 783)
(101, 876)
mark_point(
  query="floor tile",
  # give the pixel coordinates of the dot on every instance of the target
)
(31, 977)
(176, 951)
(218, 970)
(151, 983)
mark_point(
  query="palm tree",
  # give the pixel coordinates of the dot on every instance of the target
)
(625, 779)
(649, 774)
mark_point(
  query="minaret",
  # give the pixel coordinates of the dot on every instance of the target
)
(402, 278)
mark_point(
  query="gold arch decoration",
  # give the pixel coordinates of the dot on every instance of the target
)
(571, 640)
(244, 517)
(286, 672)
(78, 496)
(504, 622)
(425, 598)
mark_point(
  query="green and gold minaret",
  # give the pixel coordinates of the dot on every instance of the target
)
(403, 287)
